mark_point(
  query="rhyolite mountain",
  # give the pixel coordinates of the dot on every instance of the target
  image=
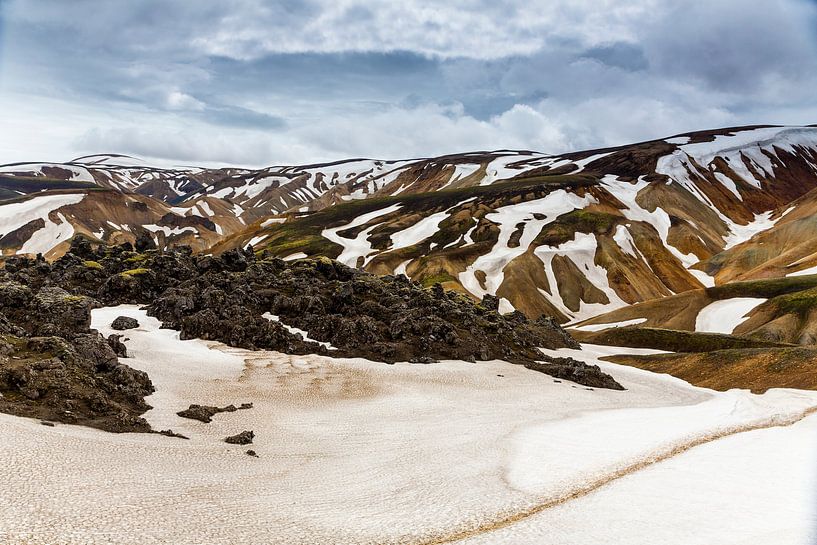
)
(573, 236)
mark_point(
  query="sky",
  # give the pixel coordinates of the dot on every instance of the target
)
(256, 83)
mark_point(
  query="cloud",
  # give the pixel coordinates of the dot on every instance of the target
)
(302, 81)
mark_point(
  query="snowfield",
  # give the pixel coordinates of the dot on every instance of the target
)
(725, 315)
(352, 451)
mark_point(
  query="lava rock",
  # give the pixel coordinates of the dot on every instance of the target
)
(243, 438)
(116, 344)
(122, 323)
(576, 371)
(205, 413)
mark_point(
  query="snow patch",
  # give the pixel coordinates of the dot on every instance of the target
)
(724, 316)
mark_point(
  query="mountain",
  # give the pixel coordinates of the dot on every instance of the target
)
(574, 235)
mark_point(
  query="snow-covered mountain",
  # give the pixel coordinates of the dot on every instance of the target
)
(574, 235)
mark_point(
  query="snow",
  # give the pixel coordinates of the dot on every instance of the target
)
(461, 171)
(333, 435)
(78, 173)
(205, 206)
(169, 231)
(804, 272)
(505, 306)
(742, 233)
(624, 239)
(725, 315)
(582, 163)
(401, 268)
(582, 252)
(705, 279)
(678, 140)
(17, 214)
(423, 229)
(354, 248)
(255, 240)
(498, 168)
(43, 240)
(297, 331)
(755, 145)
(611, 325)
(296, 255)
(508, 217)
(626, 193)
(272, 221)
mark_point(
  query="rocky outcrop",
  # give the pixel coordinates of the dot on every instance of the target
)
(54, 367)
(77, 377)
(576, 371)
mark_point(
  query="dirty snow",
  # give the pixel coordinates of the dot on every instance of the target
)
(725, 315)
(332, 437)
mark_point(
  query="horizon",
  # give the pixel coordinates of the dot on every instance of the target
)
(169, 164)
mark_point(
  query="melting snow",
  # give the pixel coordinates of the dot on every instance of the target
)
(611, 325)
(353, 248)
(508, 217)
(17, 214)
(725, 315)
(332, 437)
(804, 272)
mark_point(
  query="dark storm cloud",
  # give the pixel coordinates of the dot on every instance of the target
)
(349, 77)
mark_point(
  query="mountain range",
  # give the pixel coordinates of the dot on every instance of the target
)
(582, 236)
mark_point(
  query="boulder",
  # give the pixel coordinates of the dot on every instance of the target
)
(122, 323)
(243, 438)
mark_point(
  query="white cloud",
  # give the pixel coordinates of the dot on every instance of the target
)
(451, 29)
(549, 75)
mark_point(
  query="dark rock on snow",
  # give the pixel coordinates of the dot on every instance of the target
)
(205, 413)
(243, 438)
(576, 371)
(124, 322)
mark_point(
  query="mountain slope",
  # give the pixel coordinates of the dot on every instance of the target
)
(634, 225)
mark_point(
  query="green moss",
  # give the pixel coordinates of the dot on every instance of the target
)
(769, 288)
(138, 258)
(92, 265)
(801, 302)
(439, 278)
(73, 298)
(134, 272)
(670, 339)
